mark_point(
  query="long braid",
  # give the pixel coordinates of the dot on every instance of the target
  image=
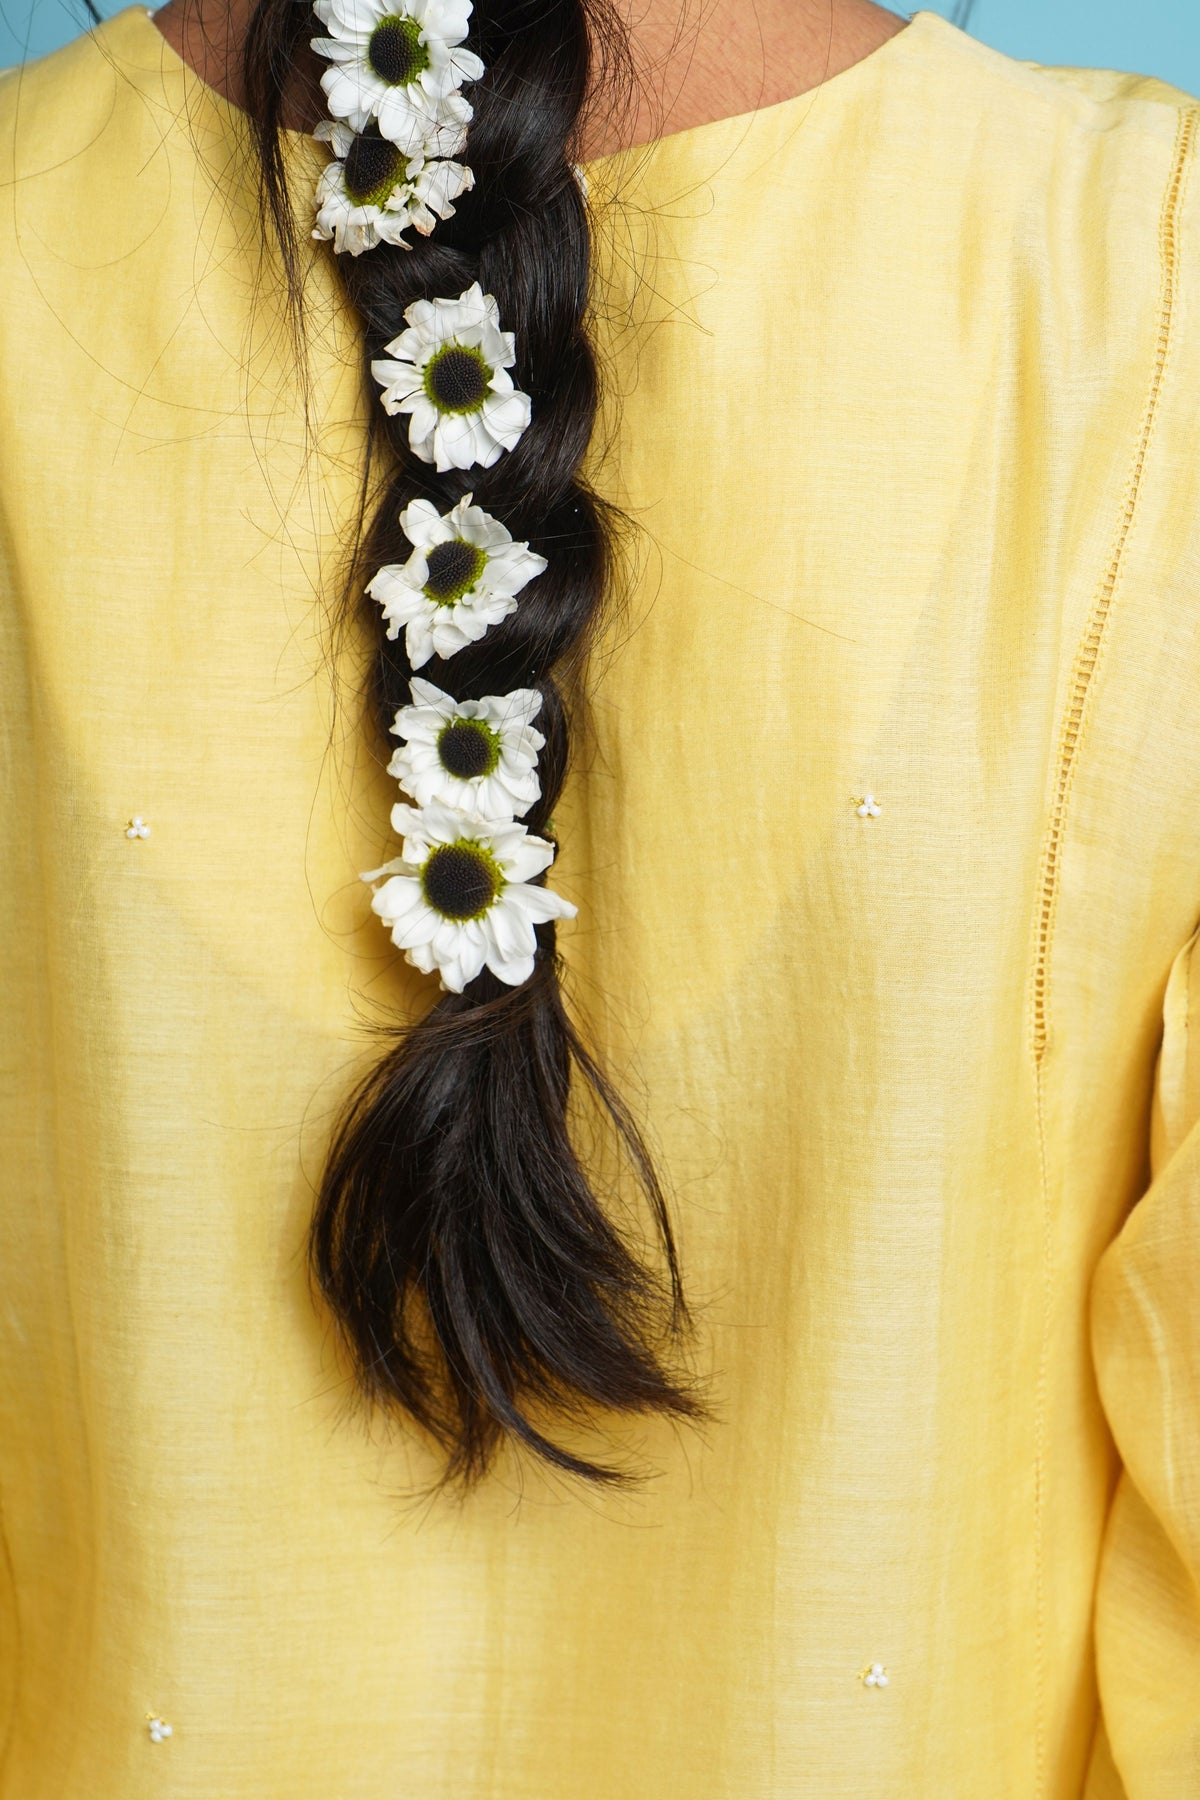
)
(453, 1199)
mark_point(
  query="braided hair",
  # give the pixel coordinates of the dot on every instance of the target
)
(478, 1283)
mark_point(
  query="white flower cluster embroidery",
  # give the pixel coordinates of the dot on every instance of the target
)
(461, 896)
(875, 1676)
(159, 1730)
(398, 119)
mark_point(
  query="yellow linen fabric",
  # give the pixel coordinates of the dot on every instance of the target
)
(905, 405)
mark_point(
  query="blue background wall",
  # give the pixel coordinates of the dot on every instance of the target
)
(1155, 37)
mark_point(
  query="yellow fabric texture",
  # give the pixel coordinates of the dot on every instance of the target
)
(903, 384)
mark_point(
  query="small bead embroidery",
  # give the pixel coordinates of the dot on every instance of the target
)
(868, 807)
(159, 1729)
(137, 827)
(875, 1676)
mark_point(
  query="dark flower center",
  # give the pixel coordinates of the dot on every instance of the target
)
(460, 881)
(457, 379)
(454, 568)
(467, 749)
(373, 165)
(396, 52)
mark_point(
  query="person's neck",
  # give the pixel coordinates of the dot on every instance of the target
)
(702, 60)
(697, 60)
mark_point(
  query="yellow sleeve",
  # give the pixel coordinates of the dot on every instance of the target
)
(1145, 1322)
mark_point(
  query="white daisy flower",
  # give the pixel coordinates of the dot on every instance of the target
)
(463, 576)
(449, 372)
(372, 193)
(400, 62)
(479, 755)
(458, 897)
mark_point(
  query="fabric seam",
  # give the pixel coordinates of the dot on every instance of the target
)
(1070, 738)
(1087, 656)
(14, 1692)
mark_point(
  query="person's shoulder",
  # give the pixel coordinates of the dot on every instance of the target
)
(1106, 250)
(1107, 97)
(985, 84)
(1020, 126)
(87, 108)
(1084, 162)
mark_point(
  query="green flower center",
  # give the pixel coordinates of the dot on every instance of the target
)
(453, 569)
(461, 880)
(456, 379)
(373, 169)
(468, 748)
(396, 52)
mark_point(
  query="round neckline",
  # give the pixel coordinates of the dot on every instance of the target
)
(866, 67)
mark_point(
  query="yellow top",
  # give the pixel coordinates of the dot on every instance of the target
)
(909, 424)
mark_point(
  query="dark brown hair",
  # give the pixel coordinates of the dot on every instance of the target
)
(480, 1284)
